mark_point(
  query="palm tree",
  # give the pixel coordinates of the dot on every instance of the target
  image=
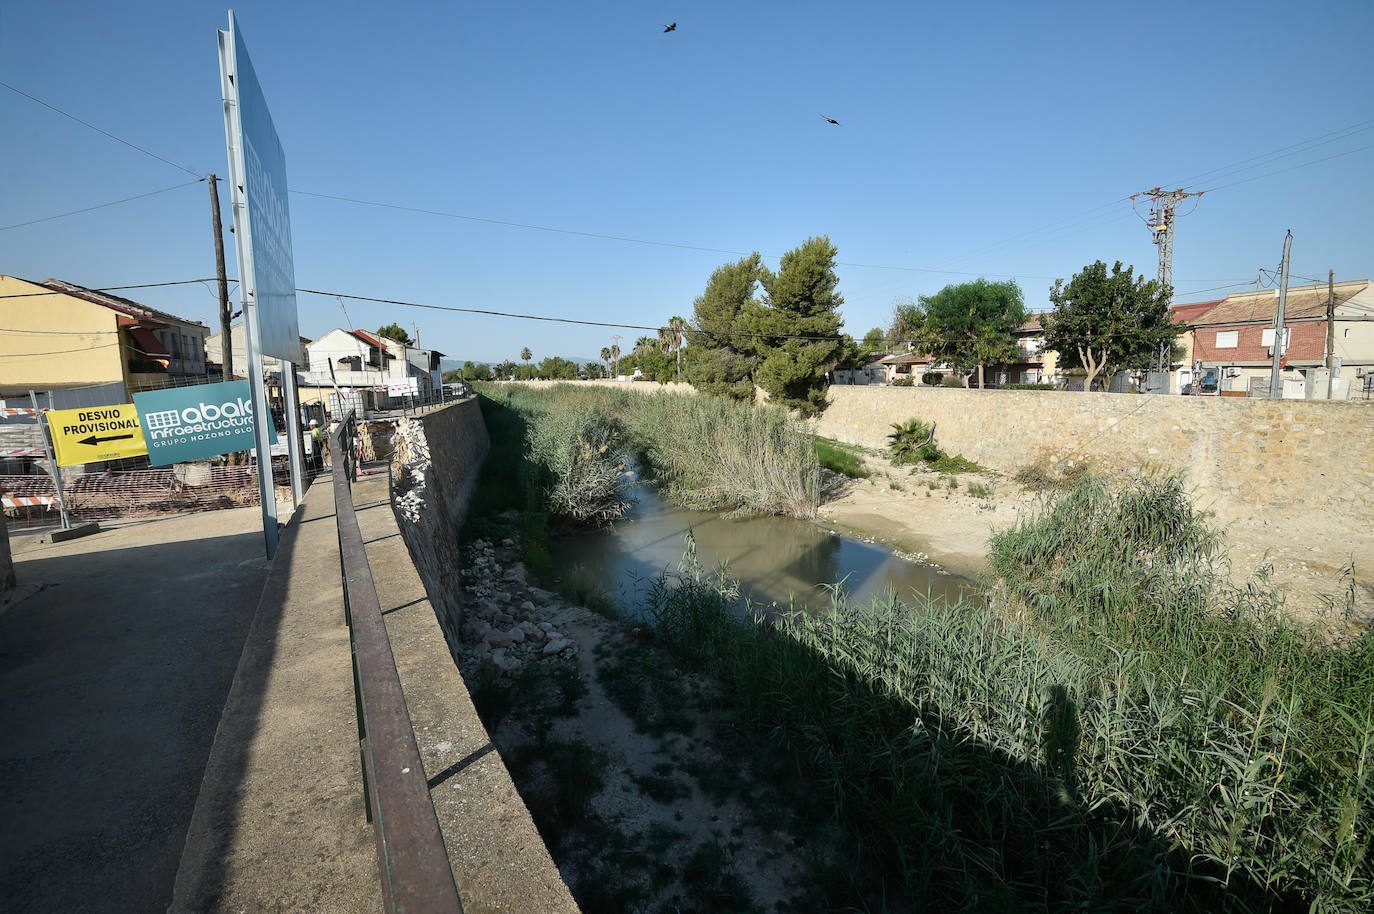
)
(615, 355)
(672, 335)
(606, 358)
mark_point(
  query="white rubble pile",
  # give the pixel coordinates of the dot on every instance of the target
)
(411, 468)
(507, 621)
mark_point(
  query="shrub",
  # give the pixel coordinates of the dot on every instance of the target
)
(1041, 474)
(912, 441)
(1028, 386)
(953, 381)
(932, 378)
(903, 382)
(589, 467)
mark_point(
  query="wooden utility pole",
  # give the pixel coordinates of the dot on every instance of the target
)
(226, 346)
(1275, 382)
(1330, 332)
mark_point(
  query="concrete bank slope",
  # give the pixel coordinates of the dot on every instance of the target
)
(116, 653)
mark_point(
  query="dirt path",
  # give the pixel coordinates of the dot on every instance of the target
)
(920, 513)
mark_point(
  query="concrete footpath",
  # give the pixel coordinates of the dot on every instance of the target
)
(116, 655)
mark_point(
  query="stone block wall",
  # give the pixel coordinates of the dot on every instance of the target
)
(1237, 453)
(434, 467)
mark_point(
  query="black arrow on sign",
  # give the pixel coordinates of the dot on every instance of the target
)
(93, 440)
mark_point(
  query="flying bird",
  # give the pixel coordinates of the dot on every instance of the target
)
(670, 28)
(831, 120)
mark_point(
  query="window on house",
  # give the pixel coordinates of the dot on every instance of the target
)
(1268, 336)
(1228, 339)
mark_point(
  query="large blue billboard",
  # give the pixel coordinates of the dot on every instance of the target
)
(258, 166)
(191, 423)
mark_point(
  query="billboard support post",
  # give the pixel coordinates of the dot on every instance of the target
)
(291, 410)
(262, 240)
(52, 461)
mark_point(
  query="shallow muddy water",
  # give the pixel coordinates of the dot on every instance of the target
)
(776, 559)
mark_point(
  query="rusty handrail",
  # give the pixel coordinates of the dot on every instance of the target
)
(411, 857)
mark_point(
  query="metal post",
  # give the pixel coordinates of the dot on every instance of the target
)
(1275, 382)
(52, 460)
(291, 412)
(1330, 332)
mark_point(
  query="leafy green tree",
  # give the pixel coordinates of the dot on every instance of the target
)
(1105, 323)
(874, 343)
(395, 332)
(452, 375)
(653, 363)
(505, 369)
(558, 369)
(722, 362)
(973, 324)
(802, 308)
(908, 325)
(593, 370)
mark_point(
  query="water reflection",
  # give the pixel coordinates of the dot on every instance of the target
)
(776, 559)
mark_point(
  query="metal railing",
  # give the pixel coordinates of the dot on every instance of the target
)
(411, 857)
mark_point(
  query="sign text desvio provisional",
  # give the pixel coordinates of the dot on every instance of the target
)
(94, 434)
(190, 423)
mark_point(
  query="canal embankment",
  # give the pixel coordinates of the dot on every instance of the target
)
(1123, 726)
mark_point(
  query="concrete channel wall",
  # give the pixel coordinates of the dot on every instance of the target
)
(1249, 452)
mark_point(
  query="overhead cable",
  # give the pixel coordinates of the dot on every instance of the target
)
(151, 193)
(191, 172)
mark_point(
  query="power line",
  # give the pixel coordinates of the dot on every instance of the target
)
(620, 326)
(107, 133)
(646, 241)
(151, 193)
(145, 285)
(625, 238)
(1282, 151)
(1280, 171)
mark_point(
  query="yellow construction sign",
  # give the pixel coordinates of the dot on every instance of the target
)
(95, 434)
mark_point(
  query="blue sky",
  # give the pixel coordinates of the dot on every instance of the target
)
(993, 138)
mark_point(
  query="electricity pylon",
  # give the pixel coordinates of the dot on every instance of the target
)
(1161, 222)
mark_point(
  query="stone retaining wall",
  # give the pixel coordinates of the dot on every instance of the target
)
(435, 467)
(1242, 453)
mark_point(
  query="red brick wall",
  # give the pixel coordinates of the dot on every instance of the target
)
(1306, 343)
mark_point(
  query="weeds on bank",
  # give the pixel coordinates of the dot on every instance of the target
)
(841, 458)
(701, 452)
(1148, 739)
